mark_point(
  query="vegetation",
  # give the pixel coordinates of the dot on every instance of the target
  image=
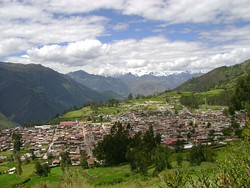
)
(140, 160)
(231, 171)
(65, 160)
(141, 151)
(220, 78)
(39, 86)
(6, 123)
(241, 97)
(42, 169)
(17, 144)
(112, 149)
(200, 153)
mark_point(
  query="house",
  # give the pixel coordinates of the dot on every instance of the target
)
(55, 162)
(68, 123)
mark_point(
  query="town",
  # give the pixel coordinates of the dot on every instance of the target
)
(196, 126)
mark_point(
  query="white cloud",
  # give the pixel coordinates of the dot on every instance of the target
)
(120, 27)
(193, 11)
(237, 35)
(81, 6)
(64, 34)
(155, 54)
(11, 45)
(30, 22)
(55, 30)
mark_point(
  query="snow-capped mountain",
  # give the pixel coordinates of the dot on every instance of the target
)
(143, 83)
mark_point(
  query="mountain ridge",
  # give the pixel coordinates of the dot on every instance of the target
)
(129, 83)
(221, 78)
(36, 93)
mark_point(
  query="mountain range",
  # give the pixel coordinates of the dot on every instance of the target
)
(31, 93)
(121, 85)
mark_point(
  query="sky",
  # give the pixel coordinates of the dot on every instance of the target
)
(111, 37)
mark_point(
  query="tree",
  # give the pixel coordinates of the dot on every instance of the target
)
(141, 151)
(41, 169)
(150, 140)
(16, 138)
(197, 155)
(179, 145)
(227, 131)
(84, 160)
(200, 153)
(189, 135)
(192, 101)
(211, 135)
(241, 97)
(17, 144)
(112, 149)
(179, 159)
(65, 160)
(130, 97)
(161, 155)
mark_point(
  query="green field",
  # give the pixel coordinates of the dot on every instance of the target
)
(54, 177)
(7, 180)
(117, 176)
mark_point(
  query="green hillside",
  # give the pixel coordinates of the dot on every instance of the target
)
(33, 93)
(5, 122)
(219, 78)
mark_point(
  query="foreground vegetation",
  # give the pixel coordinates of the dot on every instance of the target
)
(230, 168)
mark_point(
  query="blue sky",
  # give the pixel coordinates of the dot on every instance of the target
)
(119, 36)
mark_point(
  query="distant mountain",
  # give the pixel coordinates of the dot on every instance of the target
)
(101, 84)
(150, 84)
(129, 83)
(32, 92)
(222, 77)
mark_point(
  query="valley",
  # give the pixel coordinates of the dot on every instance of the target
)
(124, 94)
(80, 131)
(176, 134)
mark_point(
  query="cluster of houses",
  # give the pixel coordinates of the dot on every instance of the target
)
(47, 141)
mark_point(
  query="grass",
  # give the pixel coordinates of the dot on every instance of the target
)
(116, 176)
(6, 123)
(54, 177)
(86, 111)
(7, 180)
(123, 107)
(211, 92)
(110, 175)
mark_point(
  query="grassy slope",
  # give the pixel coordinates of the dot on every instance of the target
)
(117, 176)
(5, 122)
(222, 77)
(150, 103)
(7, 180)
(42, 93)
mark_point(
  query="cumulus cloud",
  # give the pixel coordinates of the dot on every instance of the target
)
(66, 35)
(11, 45)
(32, 23)
(192, 11)
(155, 54)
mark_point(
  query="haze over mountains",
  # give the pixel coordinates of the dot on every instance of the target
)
(124, 84)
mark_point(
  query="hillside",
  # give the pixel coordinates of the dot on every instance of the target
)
(5, 122)
(128, 83)
(219, 78)
(102, 84)
(31, 93)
